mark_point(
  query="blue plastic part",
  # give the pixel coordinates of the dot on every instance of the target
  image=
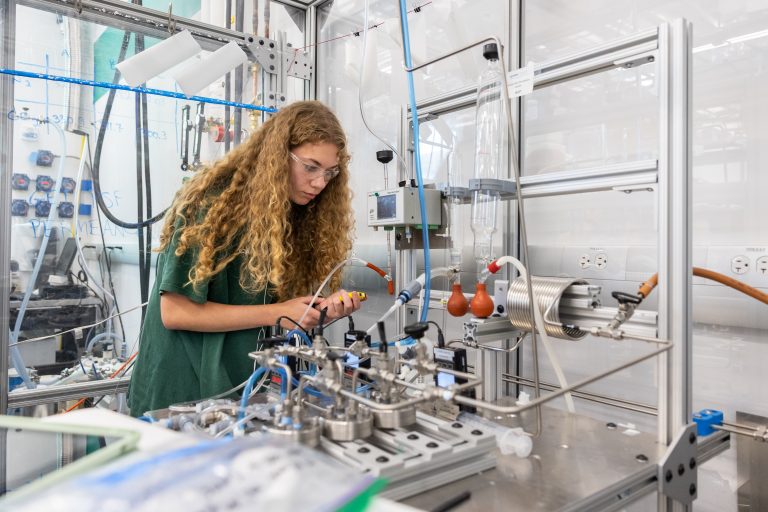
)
(705, 419)
(14, 382)
(84, 209)
(86, 185)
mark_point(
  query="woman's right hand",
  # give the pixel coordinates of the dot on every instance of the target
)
(295, 309)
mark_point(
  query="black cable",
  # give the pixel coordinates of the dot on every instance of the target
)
(294, 322)
(107, 256)
(140, 188)
(95, 170)
(147, 191)
(440, 337)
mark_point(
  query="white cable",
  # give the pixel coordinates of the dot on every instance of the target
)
(542, 331)
(328, 278)
(42, 338)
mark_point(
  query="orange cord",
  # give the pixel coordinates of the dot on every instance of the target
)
(82, 400)
(647, 287)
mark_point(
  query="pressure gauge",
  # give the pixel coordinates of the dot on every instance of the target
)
(44, 183)
(68, 185)
(20, 181)
(19, 208)
(66, 210)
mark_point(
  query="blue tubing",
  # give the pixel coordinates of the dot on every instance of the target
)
(417, 154)
(252, 380)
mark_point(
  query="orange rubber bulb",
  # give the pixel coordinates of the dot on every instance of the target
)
(458, 305)
(482, 303)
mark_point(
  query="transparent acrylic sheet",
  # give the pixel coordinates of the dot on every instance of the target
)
(121, 442)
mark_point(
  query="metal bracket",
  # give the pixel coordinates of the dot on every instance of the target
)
(298, 64)
(265, 51)
(79, 6)
(506, 188)
(272, 99)
(171, 21)
(461, 193)
(678, 469)
(637, 60)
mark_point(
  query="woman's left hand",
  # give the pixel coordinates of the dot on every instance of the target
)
(340, 304)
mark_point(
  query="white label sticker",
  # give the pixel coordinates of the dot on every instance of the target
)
(520, 81)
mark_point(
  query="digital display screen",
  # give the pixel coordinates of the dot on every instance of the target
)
(386, 207)
(444, 379)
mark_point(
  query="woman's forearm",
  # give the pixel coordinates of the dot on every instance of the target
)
(180, 313)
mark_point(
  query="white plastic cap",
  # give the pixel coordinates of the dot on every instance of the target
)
(523, 398)
(515, 441)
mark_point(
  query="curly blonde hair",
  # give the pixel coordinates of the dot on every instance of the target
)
(239, 205)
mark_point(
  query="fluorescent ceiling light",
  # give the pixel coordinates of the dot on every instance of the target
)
(158, 58)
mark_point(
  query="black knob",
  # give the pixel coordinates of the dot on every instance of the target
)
(384, 156)
(491, 51)
(626, 298)
(417, 330)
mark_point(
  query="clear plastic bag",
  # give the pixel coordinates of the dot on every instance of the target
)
(232, 475)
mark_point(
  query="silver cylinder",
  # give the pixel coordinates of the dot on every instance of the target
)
(548, 292)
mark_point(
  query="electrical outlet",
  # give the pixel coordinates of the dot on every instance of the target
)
(601, 261)
(740, 265)
(585, 261)
(761, 266)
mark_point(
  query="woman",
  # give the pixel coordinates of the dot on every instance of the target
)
(244, 244)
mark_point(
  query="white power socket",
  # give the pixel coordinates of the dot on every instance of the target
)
(601, 261)
(761, 266)
(740, 265)
(585, 261)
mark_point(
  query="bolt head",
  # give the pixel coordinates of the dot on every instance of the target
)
(668, 476)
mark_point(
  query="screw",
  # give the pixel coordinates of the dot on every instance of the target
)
(282, 98)
(412, 436)
(628, 65)
(641, 458)
(691, 438)
(500, 308)
(272, 56)
(477, 432)
(651, 59)
(692, 489)
(680, 469)
(611, 425)
(271, 45)
(261, 42)
(432, 445)
(250, 39)
(668, 476)
(692, 464)
(382, 459)
(271, 67)
(363, 450)
(457, 425)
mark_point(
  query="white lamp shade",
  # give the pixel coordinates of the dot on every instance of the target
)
(194, 77)
(158, 58)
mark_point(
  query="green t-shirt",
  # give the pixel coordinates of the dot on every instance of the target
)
(180, 366)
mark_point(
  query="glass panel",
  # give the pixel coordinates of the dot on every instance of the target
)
(54, 195)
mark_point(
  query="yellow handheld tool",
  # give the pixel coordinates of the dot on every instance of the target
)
(362, 296)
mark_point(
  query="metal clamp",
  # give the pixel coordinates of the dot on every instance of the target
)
(678, 473)
(506, 188)
(171, 21)
(265, 51)
(79, 6)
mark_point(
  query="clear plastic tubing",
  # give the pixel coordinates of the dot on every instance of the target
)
(454, 180)
(490, 154)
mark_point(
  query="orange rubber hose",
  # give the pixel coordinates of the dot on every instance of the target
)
(647, 287)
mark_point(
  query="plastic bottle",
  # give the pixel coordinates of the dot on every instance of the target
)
(490, 154)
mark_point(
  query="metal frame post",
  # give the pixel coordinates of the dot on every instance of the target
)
(7, 58)
(675, 237)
